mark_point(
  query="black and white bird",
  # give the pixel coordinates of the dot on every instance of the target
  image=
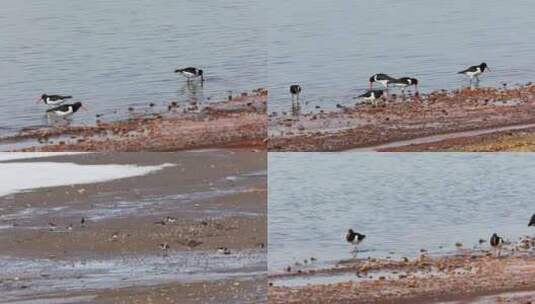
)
(354, 237)
(372, 95)
(165, 249)
(52, 226)
(532, 221)
(474, 71)
(496, 242)
(404, 82)
(295, 90)
(53, 100)
(381, 78)
(223, 250)
(66, 109)
(191, 72)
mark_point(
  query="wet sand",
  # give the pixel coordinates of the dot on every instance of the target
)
(466, 277)
(237, 122)
(515, 140)
(402, 118)
(218, 198)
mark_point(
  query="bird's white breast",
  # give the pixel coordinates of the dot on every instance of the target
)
(68, 112)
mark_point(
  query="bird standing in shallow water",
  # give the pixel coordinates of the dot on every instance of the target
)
(295, 90)
(52, 226)
(165, 248)
(354, 237)
(474, 71)
(223, 250)
(405, 82)
(532, 221)
(372, 95)
(66, 109)
(381, 78)
(496, 242)
(191, 72)
(53, 100)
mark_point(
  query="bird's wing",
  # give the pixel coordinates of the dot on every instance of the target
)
(470, 69)
(55, 97)
(189, 70)
(62, 108)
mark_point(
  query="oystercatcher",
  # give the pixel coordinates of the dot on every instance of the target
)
(405, 82)
(532, 221)
(496, 242)
(66, 109)
(295, 90)
(372, 95)
(53, 100)
(165, 248)
(354, 237)
(52, 226)
(191, 72)
(474, 71)
(381, 78)
(223, 250)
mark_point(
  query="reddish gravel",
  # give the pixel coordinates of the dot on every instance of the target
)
(399, 119)
(466, 278)
(240, 122)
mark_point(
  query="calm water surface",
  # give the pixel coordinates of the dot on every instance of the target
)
(332, 49)
(402, 202)
(116, 54)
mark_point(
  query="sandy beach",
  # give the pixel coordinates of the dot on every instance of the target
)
(217, 198)
(404, 121)
(239, 121)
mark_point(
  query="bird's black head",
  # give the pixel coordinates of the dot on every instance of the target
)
(76, 106)
(372, 79)
(414, 81)
(350, 231)
(483, 66)
(44, 96)
(201, 72)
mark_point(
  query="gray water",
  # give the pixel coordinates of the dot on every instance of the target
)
(402, 202)
(332, 49)
(62, 276)
(115, 54)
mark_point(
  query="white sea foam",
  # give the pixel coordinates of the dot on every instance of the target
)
(16, 177)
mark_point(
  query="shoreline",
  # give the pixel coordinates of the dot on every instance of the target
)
(237, 122)
(221, 203)
(468, 277)
(439, 113)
